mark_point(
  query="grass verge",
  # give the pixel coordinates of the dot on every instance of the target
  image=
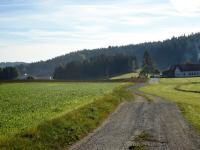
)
(148, 97)
(67, 129)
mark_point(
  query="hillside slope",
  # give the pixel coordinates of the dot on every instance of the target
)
(10, 64)
(165, 53)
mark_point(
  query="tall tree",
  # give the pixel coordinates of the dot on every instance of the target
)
(147, 60)
(147, 66)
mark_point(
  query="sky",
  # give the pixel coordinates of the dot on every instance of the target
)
(34, 30)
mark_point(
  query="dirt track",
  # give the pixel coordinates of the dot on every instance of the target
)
(157, 125)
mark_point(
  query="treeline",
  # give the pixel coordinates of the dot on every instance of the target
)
(11, 64)
(8, 73)
(97, 67)
(164, 53)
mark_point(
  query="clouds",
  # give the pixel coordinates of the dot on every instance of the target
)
(62, 26)
(188, 7)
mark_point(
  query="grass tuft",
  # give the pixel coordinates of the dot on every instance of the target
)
(136, 147)
(143, 136)
(139, 141)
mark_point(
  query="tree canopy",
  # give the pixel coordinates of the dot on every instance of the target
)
(148, 67)
(96, 68)
(8, 73)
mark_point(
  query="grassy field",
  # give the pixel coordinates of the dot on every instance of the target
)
(24, 105)
(191, 87)
(125, 76)
(189, 103)
(54, 115)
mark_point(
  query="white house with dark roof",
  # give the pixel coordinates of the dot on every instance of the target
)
(184, 70)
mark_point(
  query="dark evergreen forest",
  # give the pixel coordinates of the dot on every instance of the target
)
(8, 73)
(164, 53)
(99, 67)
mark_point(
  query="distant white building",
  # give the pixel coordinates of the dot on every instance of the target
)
(23, 77)
(185, 70)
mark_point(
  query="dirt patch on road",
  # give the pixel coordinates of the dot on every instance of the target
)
(141, 125)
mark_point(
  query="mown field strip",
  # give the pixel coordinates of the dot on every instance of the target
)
(189, 87)
(25, 105)
(126, 76)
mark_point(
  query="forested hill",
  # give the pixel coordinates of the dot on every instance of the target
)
(165, 53)
(10, 64)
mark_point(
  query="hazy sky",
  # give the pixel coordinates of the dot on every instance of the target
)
(33, 30)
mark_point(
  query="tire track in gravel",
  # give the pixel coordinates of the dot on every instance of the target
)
(161, 120)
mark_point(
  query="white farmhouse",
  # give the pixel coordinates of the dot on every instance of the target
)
(186, 70)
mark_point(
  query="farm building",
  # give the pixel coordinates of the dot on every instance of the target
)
(184, 70)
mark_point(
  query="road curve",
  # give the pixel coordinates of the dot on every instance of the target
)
(160, 120)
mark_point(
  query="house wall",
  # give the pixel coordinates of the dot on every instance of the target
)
(178, 73)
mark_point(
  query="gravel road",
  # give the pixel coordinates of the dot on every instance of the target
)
(157, 125)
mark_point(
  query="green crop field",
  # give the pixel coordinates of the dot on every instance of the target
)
(25, 105)
(188, 102)
(125, 76)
